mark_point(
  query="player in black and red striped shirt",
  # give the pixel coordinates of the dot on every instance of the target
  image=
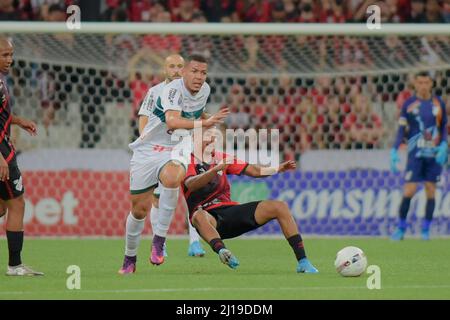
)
(11, 186)
(216, 217)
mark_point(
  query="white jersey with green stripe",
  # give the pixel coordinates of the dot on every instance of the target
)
(164, 97)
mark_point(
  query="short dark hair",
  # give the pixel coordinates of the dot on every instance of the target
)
(196, 57)
(423, 74)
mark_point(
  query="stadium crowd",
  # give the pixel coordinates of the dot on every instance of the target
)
(323, 11)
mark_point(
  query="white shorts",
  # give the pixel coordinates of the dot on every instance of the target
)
(148, 161)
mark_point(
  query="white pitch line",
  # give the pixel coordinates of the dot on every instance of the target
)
(162, 290)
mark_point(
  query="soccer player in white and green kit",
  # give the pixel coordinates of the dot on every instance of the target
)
(162, 153)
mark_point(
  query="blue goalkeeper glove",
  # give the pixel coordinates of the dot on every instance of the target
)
(395, 159)
(442, 152)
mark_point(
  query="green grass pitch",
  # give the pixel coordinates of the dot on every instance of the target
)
(411, 269)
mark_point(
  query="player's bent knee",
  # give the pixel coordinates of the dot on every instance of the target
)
(140, 211)
(172, 174)
(199, 217)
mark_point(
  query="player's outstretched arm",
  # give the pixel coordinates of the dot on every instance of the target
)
(256, 171)
(25, 124)
(174, 120)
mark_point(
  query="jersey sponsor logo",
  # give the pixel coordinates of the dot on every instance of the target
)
(172, 93)
(180, 100)
(148, 102)
(18, 184)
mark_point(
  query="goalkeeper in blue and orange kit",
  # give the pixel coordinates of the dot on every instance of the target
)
(423, 122)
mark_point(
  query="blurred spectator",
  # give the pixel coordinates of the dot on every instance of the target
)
(291, 10)
(306, 12)
(140, 10)
(417, 12)
(433, 12)
(331, 11)
(278, 14)
(56, 13)
(111, 9)
(250, 53)
(405, 94)
(253, 10)
(216, 11)
(8, 10)
(176, 6)
(185, 11)
(48, 97)
(160, 46)
(446, 11)
(366, 128)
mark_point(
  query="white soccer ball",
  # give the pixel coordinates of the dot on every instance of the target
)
(350, 262)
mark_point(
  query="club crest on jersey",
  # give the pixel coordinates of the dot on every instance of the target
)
(18, 184)
(435, 110)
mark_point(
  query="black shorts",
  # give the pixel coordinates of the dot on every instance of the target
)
(13, 187)
(232, 221)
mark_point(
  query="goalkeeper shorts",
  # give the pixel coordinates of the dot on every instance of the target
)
(422, 170)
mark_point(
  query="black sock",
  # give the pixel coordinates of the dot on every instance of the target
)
(217, 244)
(404, 208)
(296, 243)
(429, 209)
(15, 243)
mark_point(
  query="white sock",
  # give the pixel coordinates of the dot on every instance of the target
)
(168, 201)
(134, 229)
(193, 234)
(154, 218)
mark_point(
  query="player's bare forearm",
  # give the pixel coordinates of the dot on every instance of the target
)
(175, 121)
(142, 123)
(197, 182)
(25, 124)
(257, 171)
(16, 120)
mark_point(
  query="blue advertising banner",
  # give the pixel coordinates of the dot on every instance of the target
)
(354, 202)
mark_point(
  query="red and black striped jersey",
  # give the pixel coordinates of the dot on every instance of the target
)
(6, 148)
(217, 192)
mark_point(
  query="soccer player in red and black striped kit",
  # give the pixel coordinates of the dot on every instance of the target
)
(11, 187)
(216, 217)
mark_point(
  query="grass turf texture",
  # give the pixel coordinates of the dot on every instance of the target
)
(411, 269)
